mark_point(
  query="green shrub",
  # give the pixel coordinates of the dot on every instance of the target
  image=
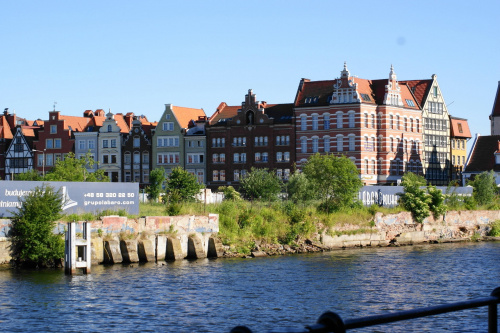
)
(495, 229)
(33, 242)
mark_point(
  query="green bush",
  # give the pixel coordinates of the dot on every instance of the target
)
(495, 229)
(33, 242)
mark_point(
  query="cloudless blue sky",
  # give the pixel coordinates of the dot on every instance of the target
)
(136, 56)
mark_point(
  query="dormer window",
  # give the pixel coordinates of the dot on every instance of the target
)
(409, 102)
(460, 129)
(365, 97)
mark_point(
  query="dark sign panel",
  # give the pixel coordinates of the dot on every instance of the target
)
(77, 197)
(388, 196)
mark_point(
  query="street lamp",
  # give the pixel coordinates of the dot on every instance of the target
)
(43, 160)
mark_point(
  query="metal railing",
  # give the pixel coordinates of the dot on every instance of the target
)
(332, 322)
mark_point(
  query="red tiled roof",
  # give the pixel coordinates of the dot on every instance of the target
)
(120, 121)
(185, 115)
(483, 158)
(78, 124)
(375, 89)
(5, 129)
(496, 105)
(419, 89)
(460, 128)
(29, 131)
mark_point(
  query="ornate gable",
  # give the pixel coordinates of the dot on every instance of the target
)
(345, 90)
(393, 91)
(252, 111)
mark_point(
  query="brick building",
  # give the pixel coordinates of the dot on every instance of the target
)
(255, 134)
(375, 123)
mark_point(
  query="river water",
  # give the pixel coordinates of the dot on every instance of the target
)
(262, 293)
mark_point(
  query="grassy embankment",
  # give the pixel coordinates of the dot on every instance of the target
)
(243, 223)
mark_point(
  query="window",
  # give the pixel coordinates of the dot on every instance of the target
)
(279, 157)
(397, 122)
(326, 144)
(137, 157)
(222, 175)
(286, 156)
(391, 121)
(315, 145)
(303, 145)
(222, 158)
(168, 158)
(215, 158)
(460, 129)
(81, 144)
(366, 120)
(417, 125)
(379, 120)
(145, 176)
(128, 179)
(391, 147)
(265, 157)
(279, 173)
(200, 176)
(352, 142)
(110, 128)
(104, 143)
(113, 158)
(365, 97)
(137, 142)
(339, 120)
(303, 122)
(49, 159)
(168, 126)
(105, 159)
(168, 141)
(409, 102)
(40, 159)
(49, 143)
(127, 158)
(91, 144)
(236, 157)
(435, 91)
(215, 175)
(340, 143)
(326, 121)
(257, 157)
(113, 143)
(53, 129)
(351, 120)
(195, 158)
(145, 158)
(137, 176)
(286, 174)
(236, 175)
(373, 120)
(315, 122)
(366, 166)
(57, 143)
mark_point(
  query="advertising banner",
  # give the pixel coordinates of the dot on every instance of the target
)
(77, 197)
(388, 196)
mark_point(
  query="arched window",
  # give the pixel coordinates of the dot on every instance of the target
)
(366, 120)
(303, 145)
(373, 120)
(339, 120)
(351, 120)
(340, 143)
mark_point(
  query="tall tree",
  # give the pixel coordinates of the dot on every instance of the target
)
(184, 184)
(261, 184)
(485, 188)
(335, 178)
(33, 242)
(156, 179)
(73, 169)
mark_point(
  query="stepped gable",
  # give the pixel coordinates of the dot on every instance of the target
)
(460, 128)
(185, 115)
(496, 105)
(483, 155)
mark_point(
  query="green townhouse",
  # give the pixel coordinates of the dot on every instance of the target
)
(179, 141)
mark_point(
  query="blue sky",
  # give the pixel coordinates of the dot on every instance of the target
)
(136, 56)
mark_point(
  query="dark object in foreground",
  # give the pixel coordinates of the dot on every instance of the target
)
(332, 322)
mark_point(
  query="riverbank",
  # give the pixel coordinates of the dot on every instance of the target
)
(118, 239)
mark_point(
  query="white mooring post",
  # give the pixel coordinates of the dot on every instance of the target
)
(77, 250)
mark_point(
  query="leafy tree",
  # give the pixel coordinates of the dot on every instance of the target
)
(437, 205)
(230, 193)
(300, 189)
(33, 242)
(415, 199)
(335, 178)
(261, 184)
(485, 188)
(73, 169)
(156, 179)
(184, 184)
(28, 175)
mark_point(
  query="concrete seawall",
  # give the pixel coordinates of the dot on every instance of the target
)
(117, 239)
